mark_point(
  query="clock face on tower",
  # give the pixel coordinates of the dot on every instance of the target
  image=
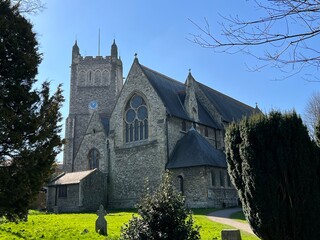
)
(93, 105)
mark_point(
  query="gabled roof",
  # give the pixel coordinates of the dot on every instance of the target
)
(172, 94)
(168, 90)
(204, 116)
(229, 108)
(71, 178)
(194, 150)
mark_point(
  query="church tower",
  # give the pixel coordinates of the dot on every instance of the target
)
(94, 87)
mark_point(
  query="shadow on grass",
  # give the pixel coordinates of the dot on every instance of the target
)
(238, 216)
(17, 234)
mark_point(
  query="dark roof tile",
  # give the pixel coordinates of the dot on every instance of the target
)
(168, 90)
(172, 94)
(229, 108)
(194, 150)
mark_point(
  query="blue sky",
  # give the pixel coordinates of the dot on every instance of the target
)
(157, 31)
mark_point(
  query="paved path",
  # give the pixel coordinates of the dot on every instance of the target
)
(222, 216)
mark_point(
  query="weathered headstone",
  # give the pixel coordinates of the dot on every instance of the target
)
(101, 222)
(230, 234)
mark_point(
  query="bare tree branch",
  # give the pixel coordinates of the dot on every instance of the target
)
(287, 31)
(29, 6)
(312, 113)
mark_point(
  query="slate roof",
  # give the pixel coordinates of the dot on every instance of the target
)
(194, 150)
(172, 94)
(71, 178)
(229, 108)
(168, 90)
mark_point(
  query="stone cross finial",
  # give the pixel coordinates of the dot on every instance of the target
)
(101, 223)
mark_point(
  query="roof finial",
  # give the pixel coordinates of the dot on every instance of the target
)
(189, 70)
(114, 49)
(136, 55)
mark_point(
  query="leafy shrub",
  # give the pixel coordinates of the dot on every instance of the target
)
(163, 215)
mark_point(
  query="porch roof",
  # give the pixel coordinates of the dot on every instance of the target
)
(71, 178)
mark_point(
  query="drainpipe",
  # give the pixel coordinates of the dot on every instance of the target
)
(107, 181)
(56, 196)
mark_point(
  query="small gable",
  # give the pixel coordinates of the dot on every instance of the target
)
(204, 116)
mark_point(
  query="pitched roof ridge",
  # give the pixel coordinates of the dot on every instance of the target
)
(161, 74)
(224, 95)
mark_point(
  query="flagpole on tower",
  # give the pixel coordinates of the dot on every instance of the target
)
(99, 43)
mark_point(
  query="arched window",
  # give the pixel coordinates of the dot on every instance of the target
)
(213, 178)
(93, 158)
(221, 175)
(89, 78)
(181, 187)
(105, 78)
(136, 119)
(184, 126)
(97, 78)
(206, 132)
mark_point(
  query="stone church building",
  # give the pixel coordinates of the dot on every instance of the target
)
(120, 134)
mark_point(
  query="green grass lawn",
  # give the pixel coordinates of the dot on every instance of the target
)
(82, 226)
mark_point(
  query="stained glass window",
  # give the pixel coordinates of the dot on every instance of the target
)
(136, 119)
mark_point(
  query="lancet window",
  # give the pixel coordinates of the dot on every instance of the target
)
(93, 158)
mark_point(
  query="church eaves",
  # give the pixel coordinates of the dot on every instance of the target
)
(71, 178)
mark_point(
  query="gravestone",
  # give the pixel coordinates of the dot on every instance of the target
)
(101, 223)
(230, 234)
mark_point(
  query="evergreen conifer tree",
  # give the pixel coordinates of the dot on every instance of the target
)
(273, 164)
(29, 119)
